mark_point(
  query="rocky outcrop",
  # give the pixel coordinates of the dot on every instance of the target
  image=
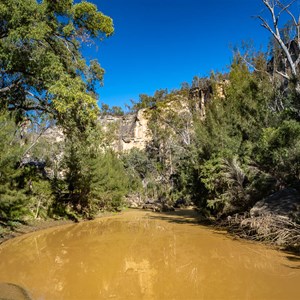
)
(136, 133)
(200, 97)
(275, 220)
(135, 201)
(285, 203)
(130, 131)
(54, 134)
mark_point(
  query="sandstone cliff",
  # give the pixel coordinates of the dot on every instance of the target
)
(129, 131)
(132, 130)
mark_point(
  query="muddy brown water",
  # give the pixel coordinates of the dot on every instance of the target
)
(144, 255)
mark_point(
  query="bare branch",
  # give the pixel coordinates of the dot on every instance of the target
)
(3, 35)
(67, 42)
(249, 64)
(283, 75)
(286, 9)
(271, 9)
(8, 88)
(296, 24)
(276, 34)
(30, 108)
(34, 143)
(35, 96)
(297, 61)
(266, 25)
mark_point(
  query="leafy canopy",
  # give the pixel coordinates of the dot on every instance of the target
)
(42, 68)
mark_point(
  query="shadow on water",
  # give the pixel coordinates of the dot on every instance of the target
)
(295, 267)
(180, 216)
(294, 258)
(192, 217)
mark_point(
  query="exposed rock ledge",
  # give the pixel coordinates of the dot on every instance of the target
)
(285, 203)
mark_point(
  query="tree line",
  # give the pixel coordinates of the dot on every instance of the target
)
(243, 148)
(247, 145)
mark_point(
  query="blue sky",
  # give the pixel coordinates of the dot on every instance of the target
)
(161, 43)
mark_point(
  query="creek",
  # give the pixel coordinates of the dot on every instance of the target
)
(144, 255)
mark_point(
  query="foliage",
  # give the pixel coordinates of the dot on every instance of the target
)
(278, 151)
(41, 198)
(244, 146)
(146, 101)
(12, 197)
(42, 69)
(44, 77)
(25, 190)
(112, 111)
(219, 172)
(240, 152)
(137, 163)
(94, 178)
(188, 188)
(111, 183)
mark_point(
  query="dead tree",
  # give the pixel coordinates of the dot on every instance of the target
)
(276, 8)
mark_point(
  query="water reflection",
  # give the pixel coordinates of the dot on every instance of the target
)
(140, 255)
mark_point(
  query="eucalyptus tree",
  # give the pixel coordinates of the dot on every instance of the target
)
(45, 77)
(43, 71)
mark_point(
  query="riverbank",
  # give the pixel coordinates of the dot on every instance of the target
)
(273, 230)
(280, 233)
(9, 232)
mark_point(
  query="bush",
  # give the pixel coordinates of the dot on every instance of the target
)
(13, 200)
(278, 152)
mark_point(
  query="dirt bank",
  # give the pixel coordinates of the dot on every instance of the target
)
(7, 232)
(30, 226)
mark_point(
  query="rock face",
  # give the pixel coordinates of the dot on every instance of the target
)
(136, 133)
(285, 203)
(131, 131)
(55, 134)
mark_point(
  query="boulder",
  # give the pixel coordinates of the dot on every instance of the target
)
(10, 291)
(155, 206)
(134, 201)
(285, 203)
